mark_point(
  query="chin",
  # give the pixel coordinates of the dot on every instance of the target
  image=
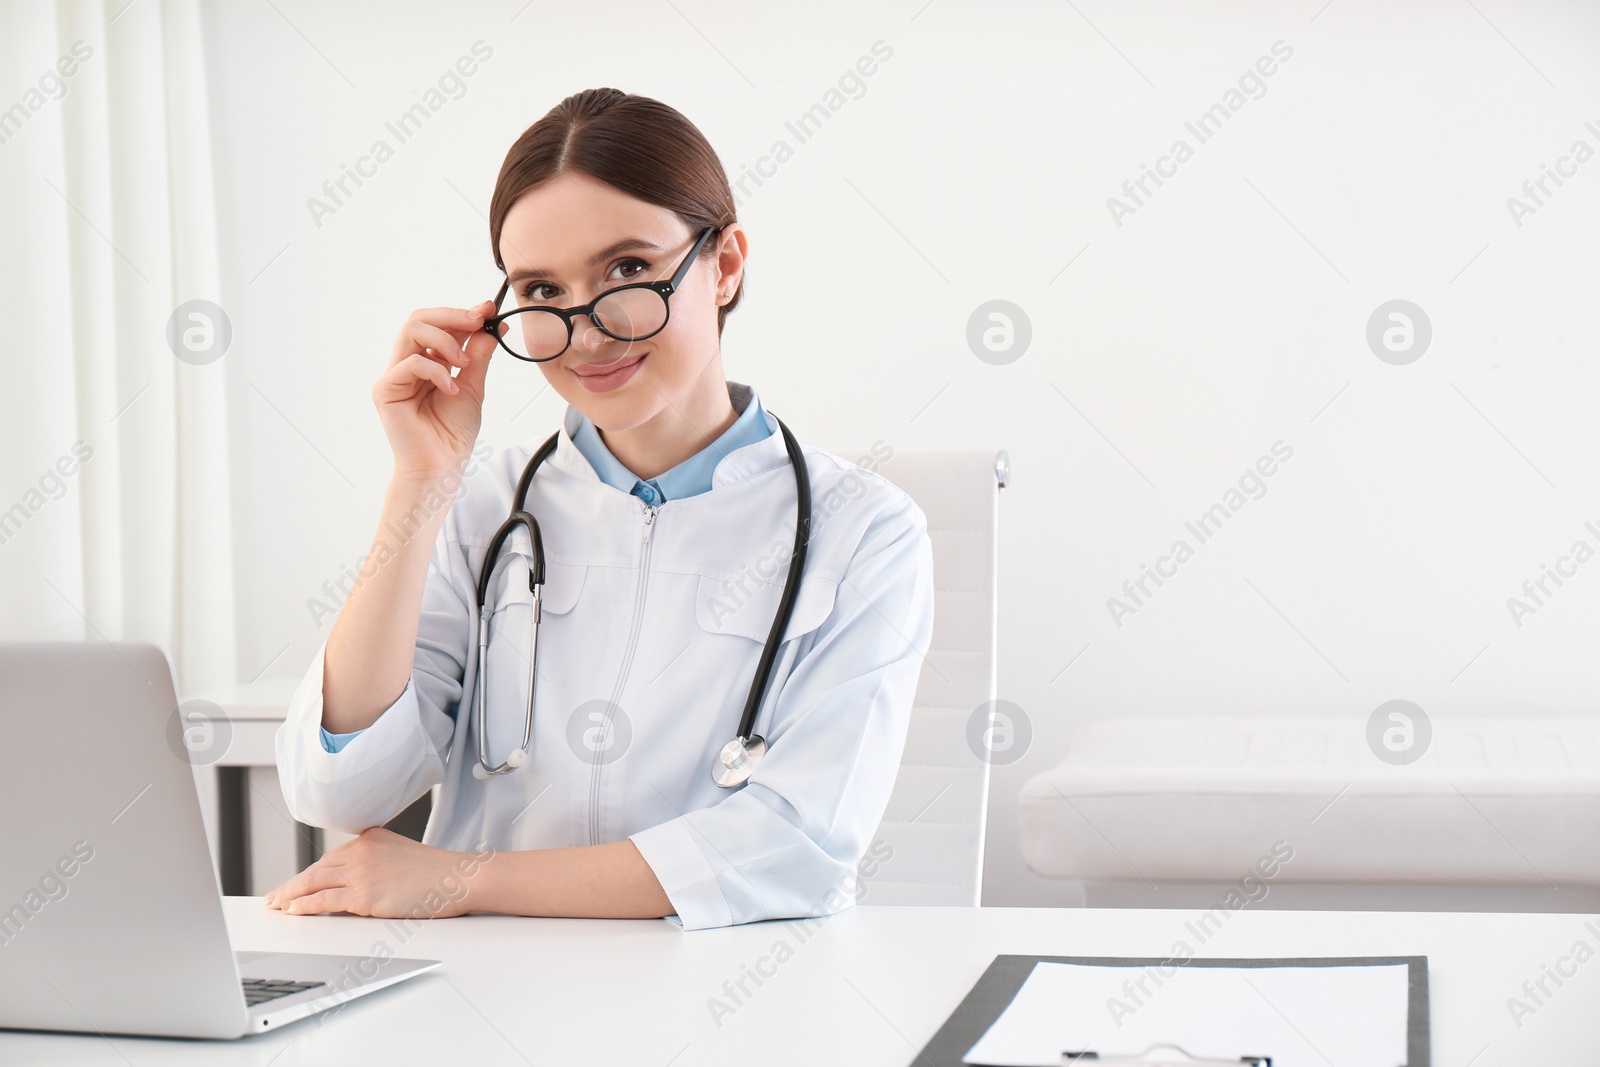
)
(612, 412)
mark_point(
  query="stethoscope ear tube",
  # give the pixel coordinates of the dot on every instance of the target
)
(535, 565)
(518, 517)
(791, 585)
(738, 759)
(482, 770)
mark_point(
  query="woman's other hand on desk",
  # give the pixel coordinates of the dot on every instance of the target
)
(382, 874)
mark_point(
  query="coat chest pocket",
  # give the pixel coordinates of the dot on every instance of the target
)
(511, 616)
(507, 659)
(724, 607)
(563, 582)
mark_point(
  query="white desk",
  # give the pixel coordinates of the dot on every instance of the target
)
(869, 986)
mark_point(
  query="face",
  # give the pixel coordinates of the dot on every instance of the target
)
(554, 230)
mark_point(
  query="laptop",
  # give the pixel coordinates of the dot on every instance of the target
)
(110, 909)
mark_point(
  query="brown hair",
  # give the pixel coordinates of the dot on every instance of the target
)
(638, 145)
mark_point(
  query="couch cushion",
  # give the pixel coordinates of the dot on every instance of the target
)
(1492, 800)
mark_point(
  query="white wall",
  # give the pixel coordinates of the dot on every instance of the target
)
(1226, 314)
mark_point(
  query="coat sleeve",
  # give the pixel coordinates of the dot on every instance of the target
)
(787, 843)
(381, 770)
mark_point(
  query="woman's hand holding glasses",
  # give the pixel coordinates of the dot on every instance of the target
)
(430, 418)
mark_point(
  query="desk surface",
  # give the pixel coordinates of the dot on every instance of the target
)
(867, 986)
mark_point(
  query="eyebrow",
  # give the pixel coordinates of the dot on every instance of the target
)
(627, 244)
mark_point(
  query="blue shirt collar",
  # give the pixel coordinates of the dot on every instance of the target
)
(693, 475)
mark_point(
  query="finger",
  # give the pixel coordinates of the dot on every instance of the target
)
(458, 320)
(400, 381)
(325, 901)
(426, 337)
(441, 329)
(309, 880)
(479, 315)
(476, 316)
(316, 877)
(480, 350)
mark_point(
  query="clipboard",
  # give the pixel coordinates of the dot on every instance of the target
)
(998, 984)
(1163, 1056)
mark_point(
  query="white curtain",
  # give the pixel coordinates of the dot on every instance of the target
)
(115, 509)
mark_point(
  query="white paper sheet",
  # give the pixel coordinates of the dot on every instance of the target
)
(1336, 1016)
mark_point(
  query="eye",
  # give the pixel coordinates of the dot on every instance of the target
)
(526, 293)
(643, 266)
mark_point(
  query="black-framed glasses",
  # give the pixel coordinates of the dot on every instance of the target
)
(629, 312)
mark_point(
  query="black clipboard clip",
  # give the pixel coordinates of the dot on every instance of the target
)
(1175, 1056)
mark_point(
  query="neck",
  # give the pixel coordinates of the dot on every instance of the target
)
(682, 428)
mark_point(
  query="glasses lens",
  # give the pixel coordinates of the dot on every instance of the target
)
(631, 314)
(534, 334)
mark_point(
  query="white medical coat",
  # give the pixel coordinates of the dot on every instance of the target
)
(652, 621)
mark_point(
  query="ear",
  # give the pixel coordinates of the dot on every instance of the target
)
(732, 251)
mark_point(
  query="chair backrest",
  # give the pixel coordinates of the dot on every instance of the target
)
(934, 823)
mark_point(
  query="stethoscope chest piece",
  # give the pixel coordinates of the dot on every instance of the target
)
(737, 761)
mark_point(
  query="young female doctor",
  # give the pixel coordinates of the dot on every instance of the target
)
(590, 757)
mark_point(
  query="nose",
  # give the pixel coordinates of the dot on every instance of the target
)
(588, 338)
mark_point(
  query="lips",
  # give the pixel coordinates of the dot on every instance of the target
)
(608, 376)
(595, 370)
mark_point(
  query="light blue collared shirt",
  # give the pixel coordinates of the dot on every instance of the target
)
(689, 478)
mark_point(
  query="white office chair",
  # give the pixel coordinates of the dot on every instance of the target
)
(935, 819)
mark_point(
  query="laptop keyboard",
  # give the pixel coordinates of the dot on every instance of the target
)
(259, 990)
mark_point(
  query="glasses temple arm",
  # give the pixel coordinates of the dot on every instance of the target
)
(499, 299)
(683, 268)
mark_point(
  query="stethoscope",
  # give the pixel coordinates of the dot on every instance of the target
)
(738, 758)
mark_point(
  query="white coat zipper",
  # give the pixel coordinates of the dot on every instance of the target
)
(622, 676)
